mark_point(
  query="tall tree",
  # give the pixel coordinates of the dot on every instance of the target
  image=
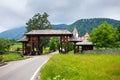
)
(104, 36)
(38, 22)
(118, 33)
(118, 29)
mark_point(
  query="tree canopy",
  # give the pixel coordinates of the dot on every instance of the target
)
(37, 22)
(104, 36)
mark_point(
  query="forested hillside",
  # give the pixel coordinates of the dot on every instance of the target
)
(86, 25)
(82, 25)
(15, 33)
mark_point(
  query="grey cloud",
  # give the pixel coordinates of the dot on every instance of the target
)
(60, 11)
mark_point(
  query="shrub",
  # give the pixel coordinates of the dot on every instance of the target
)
(1, 58)
(4, 45)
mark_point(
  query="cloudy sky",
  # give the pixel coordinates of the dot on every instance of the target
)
(15, 13)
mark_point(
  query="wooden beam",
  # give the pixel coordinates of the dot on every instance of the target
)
(75, 47)
(60, 49)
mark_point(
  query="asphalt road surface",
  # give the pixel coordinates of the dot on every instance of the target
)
(23, 69)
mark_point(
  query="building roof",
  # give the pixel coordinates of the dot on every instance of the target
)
(74, 39)
(24, 39)
(49, 32)
(85, 42)
(75, 31)
(86, 34)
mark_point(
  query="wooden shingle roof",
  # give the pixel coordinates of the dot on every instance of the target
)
(49, 32)
(24, 39)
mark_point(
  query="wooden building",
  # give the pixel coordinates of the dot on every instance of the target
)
(32, 39)
(85, 45)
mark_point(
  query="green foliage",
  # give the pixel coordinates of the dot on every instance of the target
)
(10, 57)
(104, 36)
(4, 45)
(54, 43)
(37, 22)
(71, 46)
(86, 25)
(1, 58)
(16, 46)
(118, 29)
(46, 50)
(82, 67)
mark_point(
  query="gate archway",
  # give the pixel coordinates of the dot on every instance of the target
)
(32, 39)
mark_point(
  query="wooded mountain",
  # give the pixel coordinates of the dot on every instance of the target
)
(82, 25)
(86, 25)
(59, 26)
(17, 33)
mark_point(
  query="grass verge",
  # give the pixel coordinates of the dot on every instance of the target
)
(11, 57)
(82, 67)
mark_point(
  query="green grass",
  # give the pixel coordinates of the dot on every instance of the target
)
(82, 67)
(46, 50)
(16, 45)
(10, 57)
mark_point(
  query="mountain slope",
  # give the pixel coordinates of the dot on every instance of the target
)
(17, 33)
(59, 26)
(86, 25)
(82, 25)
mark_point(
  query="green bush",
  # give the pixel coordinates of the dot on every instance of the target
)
(1, 58)
(4, 45)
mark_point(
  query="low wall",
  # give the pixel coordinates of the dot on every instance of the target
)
(102, 51)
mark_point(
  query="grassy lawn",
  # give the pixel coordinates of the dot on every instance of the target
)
(10, 57)
(46, 50)
(16, 45)
(82, 67)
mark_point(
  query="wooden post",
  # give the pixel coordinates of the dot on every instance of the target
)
(60, 49)
(74, 47)
(23, 47)
(38, 45)
(66, 44)
(31, 45)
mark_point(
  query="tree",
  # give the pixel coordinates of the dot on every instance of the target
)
(104, 36)
(4, 45)
(118, 33)
(37, 22)
(54, 44)
(118, 29)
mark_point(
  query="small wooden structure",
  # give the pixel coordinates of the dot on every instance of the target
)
(74, 39)
(86, 45)
(32, 39)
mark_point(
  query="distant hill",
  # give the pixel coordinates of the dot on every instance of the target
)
(86, 25)
(82, 25)
(59, 26)
(17, 33)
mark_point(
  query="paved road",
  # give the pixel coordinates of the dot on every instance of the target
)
(23, 69)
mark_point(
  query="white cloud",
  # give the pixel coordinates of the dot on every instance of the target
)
(14, 13)
(2, 29)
